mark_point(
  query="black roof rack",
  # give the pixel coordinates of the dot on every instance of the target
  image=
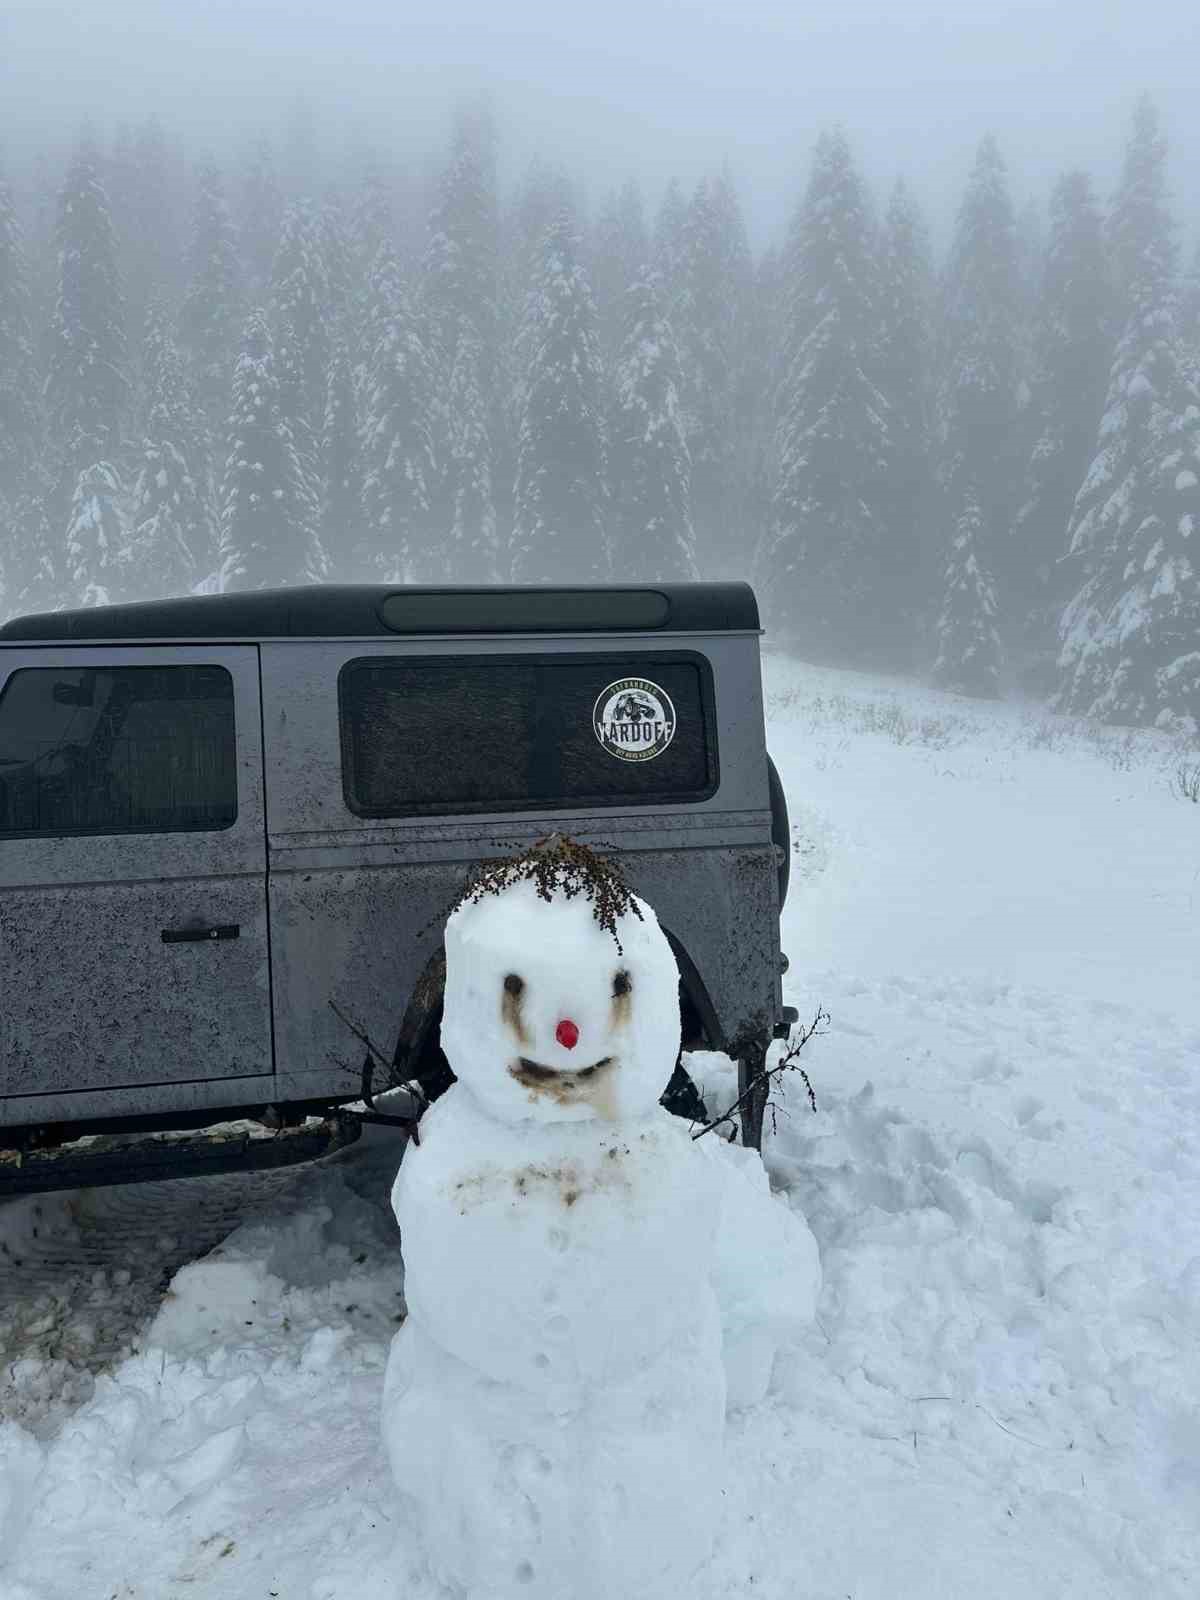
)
(370, 610)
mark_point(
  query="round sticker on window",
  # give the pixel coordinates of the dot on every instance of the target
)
(634, 719)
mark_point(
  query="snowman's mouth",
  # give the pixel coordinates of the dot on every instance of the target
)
(535, 1076)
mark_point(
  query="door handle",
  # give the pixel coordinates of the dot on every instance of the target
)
(223, 930)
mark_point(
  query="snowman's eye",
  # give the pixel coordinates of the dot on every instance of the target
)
(621, 985)
(513, 985)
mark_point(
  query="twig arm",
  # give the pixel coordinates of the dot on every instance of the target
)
(786, 1063)
(374, 1054)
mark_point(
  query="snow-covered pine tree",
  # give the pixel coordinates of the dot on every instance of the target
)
(670, 243)
(41, 222)
(751, 393)
(1031, 243)
(545, 195)
(266, 515)
(558, 524)
(761, 378)
(36, 573)
(825, 560)
(968, 646)
(618, 254)
(1142, 251)
(1073, 349)
(32, 503)
(397, 448)
(384, 293)
(649, 468)
(1189, 308)
(709, 319)
(794, 313)
(905, 371)
(145, 215)
(341, 476)
(302, 326)
(372, 214)
(333, 237)
(259, 217)
(97, 536)
(172, 543)
(1131, 635)
(19, 421)
(300, 161)
(460, 273)
(371, 226)
(301, 301)
(979, 402)
(470, 553)
(300, 415)
(459, 296)
(87, 387)
(118, 178)
(208, 320)
(1141, 228)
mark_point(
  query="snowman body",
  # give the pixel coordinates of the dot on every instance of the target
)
(554, 1404)
(560, 1423)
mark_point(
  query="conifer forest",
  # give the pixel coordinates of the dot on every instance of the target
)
(979, 465)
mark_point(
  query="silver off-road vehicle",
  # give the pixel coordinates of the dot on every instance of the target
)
(230, 827)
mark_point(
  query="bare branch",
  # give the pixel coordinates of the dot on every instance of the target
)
(786, 1063)
(363, 1038)
(374, 1053)
(1187, 782)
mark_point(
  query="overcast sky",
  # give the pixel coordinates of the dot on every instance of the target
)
(650, 87)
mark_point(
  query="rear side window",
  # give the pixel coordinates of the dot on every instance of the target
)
(424, 735)
(117, 750)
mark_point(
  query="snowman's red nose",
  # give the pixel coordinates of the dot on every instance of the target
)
(567, 1034)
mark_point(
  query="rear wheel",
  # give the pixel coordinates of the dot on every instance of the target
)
(781, 832)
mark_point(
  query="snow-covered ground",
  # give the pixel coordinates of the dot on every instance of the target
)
(1001, 1394)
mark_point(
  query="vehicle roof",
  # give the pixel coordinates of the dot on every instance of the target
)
(377, 610)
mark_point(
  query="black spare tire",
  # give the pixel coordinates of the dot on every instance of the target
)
(781, 833)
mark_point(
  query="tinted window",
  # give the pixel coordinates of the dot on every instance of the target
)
(426, 735)
(117, 750)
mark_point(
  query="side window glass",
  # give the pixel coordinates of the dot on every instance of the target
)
(427, 735)
(117, 750)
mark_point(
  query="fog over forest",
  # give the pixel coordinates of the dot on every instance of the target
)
(901, 322)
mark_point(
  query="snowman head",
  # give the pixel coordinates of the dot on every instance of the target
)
(550, 1016)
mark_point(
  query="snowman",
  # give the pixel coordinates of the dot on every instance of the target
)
(588, 1287)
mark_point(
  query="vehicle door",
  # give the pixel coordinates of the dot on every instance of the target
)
(133, 920)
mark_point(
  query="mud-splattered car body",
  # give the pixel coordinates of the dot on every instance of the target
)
(220, 814)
